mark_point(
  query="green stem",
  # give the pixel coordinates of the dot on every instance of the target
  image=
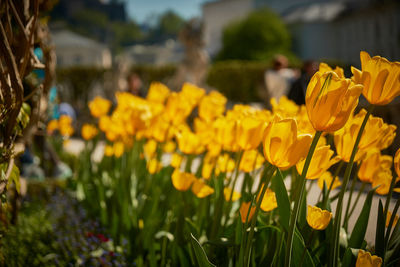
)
(334, 252)
(389, 229)
(229, 207)
(385, 211)
(293, 183)
(346, 214)
(306, 245)
(264, 185)
(330, 185)
(356, 201)
(295, 213)
(218, 207)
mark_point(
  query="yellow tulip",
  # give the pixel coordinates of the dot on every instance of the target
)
(228, 192)
(244, 210)
(192, 94)
(251, 160)
(323, 67)
(383, 178)
(64, 126)
(205, 130)
(177, 109)
(397, 162)
(330, 99)
(327, 179)
(66, 130)
(321, 161)
(225, 133)
(150, 148)
(158, 92)
(118, 149)
(345, 139)
(268, 202)
(377, 134)
(104, 123)
(99, 107)
(380, 77)
(182, 181)
(389, 216)
(285, 108)
(212, 106)
(364, 259)
(52, 126)
(190, 143)
(304, 125)
(176, 160)
(224, 164)
(108, 151)
(169, 147)
(154, 166)
(283, 147)
(249, 132)
(200, 189)
(64, 120)
(372, 163)
(213, 148)
(88, 131)
(318, 219)
(207, 169)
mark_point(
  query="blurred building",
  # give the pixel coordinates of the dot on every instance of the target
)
(170, 52)
(76, 50)
(321, 29)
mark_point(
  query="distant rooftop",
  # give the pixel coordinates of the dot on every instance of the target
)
(65, 38)
(327, 11)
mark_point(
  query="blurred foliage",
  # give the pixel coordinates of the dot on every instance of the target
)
(238, 80)
(53, 230)
(80, 80)
(150, 73)
(97, 25)
(259, 36)
(117, 34)
(168, 26)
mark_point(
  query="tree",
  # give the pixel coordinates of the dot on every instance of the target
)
(168, 26)
(259, 36)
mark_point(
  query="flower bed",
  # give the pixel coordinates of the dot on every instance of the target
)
(187, 182)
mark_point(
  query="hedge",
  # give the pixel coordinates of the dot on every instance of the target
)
(238, 80)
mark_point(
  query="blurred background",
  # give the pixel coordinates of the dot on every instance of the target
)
(229, 45)
(150, 38)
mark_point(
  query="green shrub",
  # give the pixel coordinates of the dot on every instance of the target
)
(259, 36)
(238, 80)
(150, 73)
(80, 79)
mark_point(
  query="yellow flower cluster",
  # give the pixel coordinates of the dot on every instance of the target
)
(63, 125)
(282, 137)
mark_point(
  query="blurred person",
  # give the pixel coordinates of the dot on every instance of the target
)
(135, 84)
(279, 79)
(298, 89)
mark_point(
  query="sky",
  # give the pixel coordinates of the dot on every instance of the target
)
(146, 11)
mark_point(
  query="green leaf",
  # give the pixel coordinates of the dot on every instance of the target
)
(301, 255)
(193, 228)
(349, 258)
(14, 177)
(360, 228)
(282, 199)
(201, 257)
(303, 210)
(394, 244)
(380, 231)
